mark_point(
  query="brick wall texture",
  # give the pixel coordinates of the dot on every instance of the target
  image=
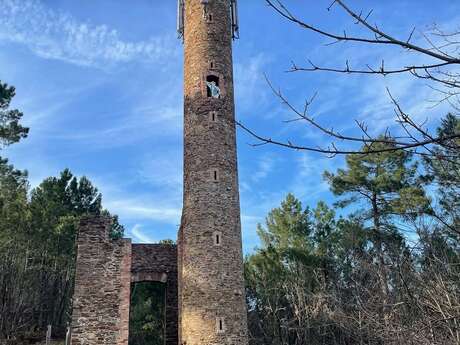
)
(105, 271)
(204, 274)
(102, 286)
(211, 290)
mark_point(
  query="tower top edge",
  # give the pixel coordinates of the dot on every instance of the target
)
(206, 4)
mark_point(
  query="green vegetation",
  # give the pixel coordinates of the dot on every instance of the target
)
(388, 273)
(11, 130)
(38, 228)
(147, 314)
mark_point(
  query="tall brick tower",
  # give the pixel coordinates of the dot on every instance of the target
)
(212, 307)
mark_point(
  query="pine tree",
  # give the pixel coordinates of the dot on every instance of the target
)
(443, 168)
(382, 186)
(11, 131)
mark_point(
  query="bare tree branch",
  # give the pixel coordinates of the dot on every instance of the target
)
(417, 138)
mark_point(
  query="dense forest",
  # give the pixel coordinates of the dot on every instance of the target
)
(378, 264)
(381, 265)
(387, 271)
(38, 228)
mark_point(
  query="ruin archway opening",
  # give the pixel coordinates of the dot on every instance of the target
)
(147, 315)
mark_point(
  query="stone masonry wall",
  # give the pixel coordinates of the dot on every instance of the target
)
(158, 262)
(211, 298)
(212, 308)
(105, 271)
(102, 286)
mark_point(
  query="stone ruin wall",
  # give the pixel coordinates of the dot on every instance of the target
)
(102, 286)
(105, 270)
(158, 262)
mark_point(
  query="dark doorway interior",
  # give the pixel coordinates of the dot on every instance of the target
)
(147, 313)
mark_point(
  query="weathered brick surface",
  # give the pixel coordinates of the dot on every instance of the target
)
(158, 262)
(210, 276)
(105, 271)
(102, 286)
(208, 272)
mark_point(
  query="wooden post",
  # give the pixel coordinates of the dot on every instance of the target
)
(48, 335)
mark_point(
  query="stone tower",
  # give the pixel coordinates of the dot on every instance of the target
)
(212, 307)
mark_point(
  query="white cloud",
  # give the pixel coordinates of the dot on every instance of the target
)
(250, 86)
(139, 209)
(127, 126)
(309, 183)
(139, 236)
(58, 35)
(163, 169)
(264, 166)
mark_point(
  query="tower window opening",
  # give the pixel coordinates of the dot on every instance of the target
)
(220, 325)
(212, 86)
(213, 116)
(209, 17)
(214, 175)
(211, 65)
(217, 238)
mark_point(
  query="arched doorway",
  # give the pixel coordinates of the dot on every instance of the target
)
(154, 292)
(147, 317)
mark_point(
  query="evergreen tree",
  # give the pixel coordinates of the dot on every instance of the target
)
(287, 226)
(443, 168)
(147, 311)
(384, 186)
(37, 237)
(37, 248)
(57, 205)
(11, 131)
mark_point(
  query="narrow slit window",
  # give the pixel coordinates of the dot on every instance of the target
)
(220, 325)
(212, 86)
(217, 238)
(211, 65)
(209, 17)
(214, 175)
(213, 116)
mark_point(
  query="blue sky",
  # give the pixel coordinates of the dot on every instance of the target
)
(100, 84)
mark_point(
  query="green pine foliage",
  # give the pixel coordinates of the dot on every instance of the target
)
(147, 310)
(387, 273)
(443, 169)
(38, 229)
(11, 131)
